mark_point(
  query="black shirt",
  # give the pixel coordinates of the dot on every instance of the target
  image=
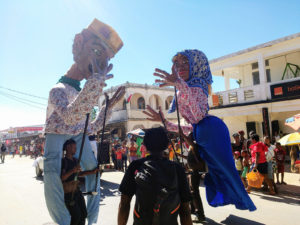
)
(67, 165)
(238, 148)
(3, 148)
(128, 184)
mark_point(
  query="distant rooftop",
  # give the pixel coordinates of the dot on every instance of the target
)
(135, 85)
(264, 45)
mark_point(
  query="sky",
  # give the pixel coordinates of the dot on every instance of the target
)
(36, 39)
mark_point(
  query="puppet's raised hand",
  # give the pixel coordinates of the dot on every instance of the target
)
(153, 115)
(166, 78)
(118, 95)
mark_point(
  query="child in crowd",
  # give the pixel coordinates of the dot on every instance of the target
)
(143, 150)
(246, 166)
(113, 156)
(238, 162)
(280, 158)
(132, 152)
(177, 150)
(73, 197)
(125, 155)
(171, 152)
(119, 154)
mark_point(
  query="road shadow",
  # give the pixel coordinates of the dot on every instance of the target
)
(233, 220)
(279, 198)
(289, 190)
(108, 189)
(208, 221)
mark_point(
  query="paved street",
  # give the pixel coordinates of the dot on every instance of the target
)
(22, 200)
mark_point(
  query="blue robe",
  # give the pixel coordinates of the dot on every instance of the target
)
(223, 183)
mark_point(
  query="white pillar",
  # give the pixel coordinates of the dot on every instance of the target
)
(227, 82)
(262, 76)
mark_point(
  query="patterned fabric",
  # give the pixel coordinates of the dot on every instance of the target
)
(67, 108)
(199, 73)
(192, 102)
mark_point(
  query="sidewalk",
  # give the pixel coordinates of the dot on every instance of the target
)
(293, 184)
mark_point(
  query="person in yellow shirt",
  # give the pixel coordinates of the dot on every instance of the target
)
(20, 150)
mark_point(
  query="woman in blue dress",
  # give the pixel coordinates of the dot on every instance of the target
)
(192, 77)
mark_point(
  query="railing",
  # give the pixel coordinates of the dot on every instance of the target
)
(123, 115)
(119, 115)
(138, 114)
(245, 94)
(238, 95)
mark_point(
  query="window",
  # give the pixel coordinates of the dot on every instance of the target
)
(157, 103)
(141, 103)
(255, 77)
(168, 102)
(267, 62)
(254, 66)
(255, 73)
(124, 104)
(268, 73)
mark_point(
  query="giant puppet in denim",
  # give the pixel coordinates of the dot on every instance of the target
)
(192, 77)
(68, 105)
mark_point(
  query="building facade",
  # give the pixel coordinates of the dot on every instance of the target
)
(269, 87)
(128, 116)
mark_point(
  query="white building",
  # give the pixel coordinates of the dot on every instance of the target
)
(129, 116)
(269, 92)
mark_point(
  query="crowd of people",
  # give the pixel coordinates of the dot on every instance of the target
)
(32, 148)
(265, 155)
(124, 152)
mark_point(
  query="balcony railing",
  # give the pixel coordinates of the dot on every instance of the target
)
(245, 94)
(238, 95)
(119, 115)
(123, 115)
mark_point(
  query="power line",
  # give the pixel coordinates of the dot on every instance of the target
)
(23, 93)
(28, 104)
(22, 99)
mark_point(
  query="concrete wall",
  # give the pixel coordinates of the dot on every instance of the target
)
(237, 123)
(236, 117)
(277, 66)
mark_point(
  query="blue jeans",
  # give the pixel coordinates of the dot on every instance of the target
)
(54, 193)
(270, 170)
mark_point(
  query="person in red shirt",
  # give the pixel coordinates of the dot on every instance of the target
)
(143, 150)
(259, 162)
(132, 152)
(119, 154)
(279, 157)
